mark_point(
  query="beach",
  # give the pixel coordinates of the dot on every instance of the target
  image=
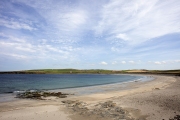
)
(156, 99)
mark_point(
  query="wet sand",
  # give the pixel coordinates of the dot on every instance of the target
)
(152, 100)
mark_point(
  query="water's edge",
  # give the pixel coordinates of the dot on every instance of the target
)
(83, 90)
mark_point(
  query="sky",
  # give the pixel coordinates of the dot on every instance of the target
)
(89, 34)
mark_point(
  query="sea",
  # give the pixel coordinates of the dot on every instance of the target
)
(15, 83)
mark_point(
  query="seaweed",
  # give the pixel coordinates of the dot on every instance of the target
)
(40, 95)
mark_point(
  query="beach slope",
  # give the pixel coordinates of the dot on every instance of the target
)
(157, 99)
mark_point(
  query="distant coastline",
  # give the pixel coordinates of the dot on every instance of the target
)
(93, 71)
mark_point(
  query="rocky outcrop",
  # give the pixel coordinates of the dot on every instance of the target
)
(40, 95)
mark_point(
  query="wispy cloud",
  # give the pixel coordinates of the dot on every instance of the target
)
(138, 21)
(123, 62)
(157, 62)
(103, 63)
(16, 56)
(14, 46)
(177, 61)
(15, 24)
(73, 20)
(164, 62)
(122, 36)
(116, 31)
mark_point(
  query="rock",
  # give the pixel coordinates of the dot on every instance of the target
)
(76, 105)
(69, 101)
(120, 110)
(108, 104)
(107, 109)
(177, 117)
(40, 95)
(62, 96)
(128, 118)
(115, 115)
(121, 116)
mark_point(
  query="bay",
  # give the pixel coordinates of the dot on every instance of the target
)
(10, 83)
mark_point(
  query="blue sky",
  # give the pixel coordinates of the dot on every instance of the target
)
(89, 34)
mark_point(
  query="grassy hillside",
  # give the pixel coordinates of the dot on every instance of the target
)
(93, 71)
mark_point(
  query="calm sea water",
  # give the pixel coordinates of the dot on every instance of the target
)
(21, 82)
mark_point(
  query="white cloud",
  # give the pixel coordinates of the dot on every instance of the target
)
(70, 32)
(158, 63)
(62, 22)
(164, 62)
(65, 19)
(178, 61)
(16, 47)
(132, 62)
(123, 62)
(15, 24)
(114, 49)
(12, 38)
(161, 62)
(16, 56)
(74, 19)
(103, 63)
(139, 20)
(122, 36)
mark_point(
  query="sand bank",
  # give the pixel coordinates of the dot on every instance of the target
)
(152, 100)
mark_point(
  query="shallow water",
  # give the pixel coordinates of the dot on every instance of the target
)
(21, 82)
(79, 84)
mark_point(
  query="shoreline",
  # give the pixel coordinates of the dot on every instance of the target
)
(127, 99)
(79, 90)
(130, 87)
(71, 86)
(99, 88)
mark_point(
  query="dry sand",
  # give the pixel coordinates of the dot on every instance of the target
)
(152, 100)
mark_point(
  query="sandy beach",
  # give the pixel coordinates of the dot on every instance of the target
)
(157, 99)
